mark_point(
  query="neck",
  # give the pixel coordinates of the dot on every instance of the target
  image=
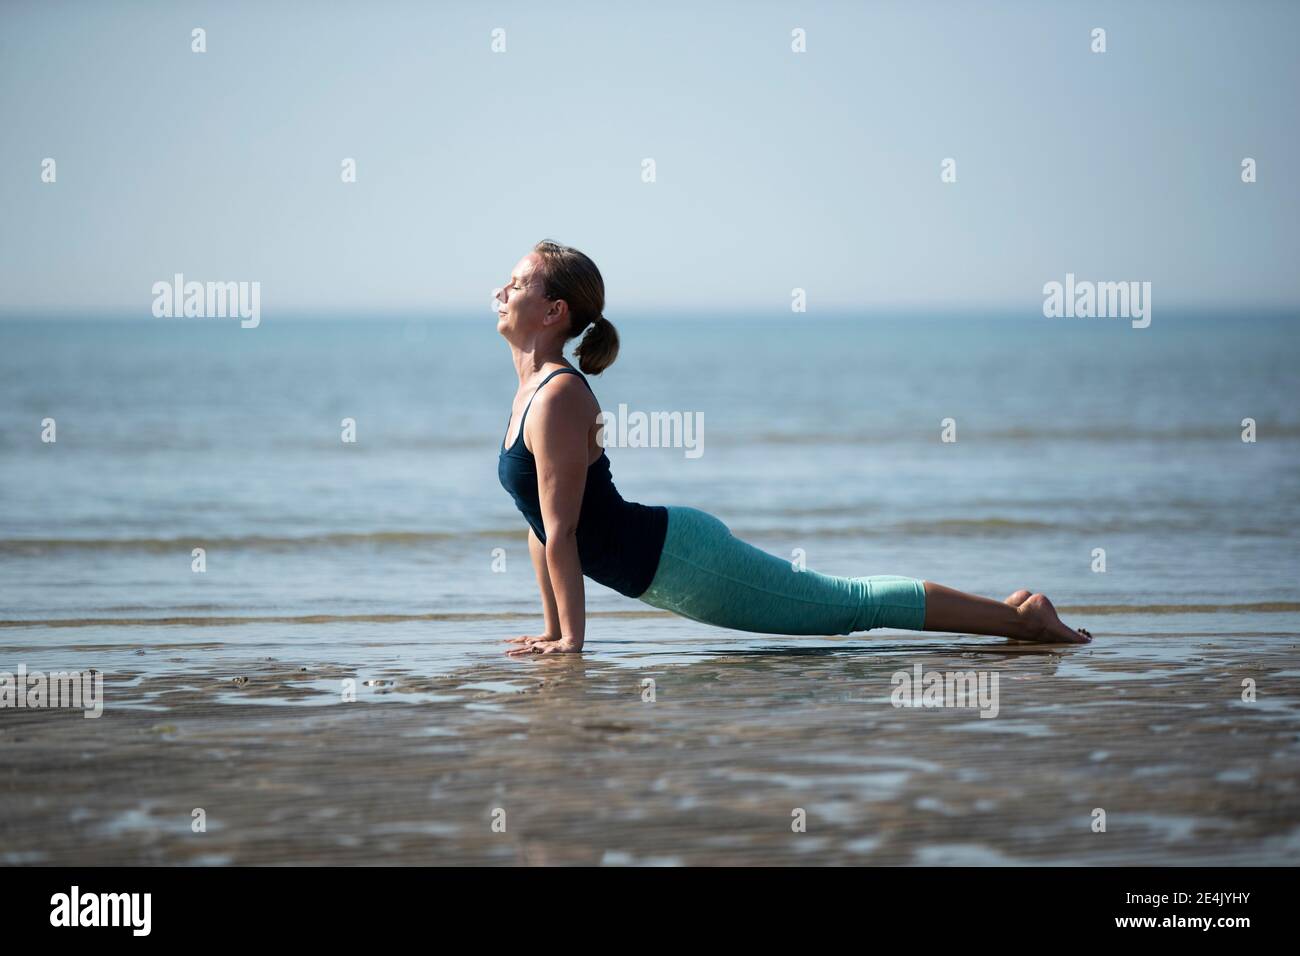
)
(533, 356)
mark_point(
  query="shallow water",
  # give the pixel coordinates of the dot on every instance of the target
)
(174, 435)
(709, 764)
(366, 571)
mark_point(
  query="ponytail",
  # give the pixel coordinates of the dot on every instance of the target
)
(599, 347)
(570, 275)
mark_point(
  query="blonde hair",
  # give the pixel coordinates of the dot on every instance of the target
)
(570, 275)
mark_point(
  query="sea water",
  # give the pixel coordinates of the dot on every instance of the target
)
(1100, 464)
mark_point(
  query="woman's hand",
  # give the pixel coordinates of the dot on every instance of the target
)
(544, 645)
(529, 638)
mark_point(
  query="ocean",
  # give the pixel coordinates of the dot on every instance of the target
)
(821, 437)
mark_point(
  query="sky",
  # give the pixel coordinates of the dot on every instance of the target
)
(774, 170)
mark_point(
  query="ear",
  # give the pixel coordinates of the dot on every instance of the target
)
(557, 312)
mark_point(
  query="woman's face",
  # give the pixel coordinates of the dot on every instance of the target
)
(522, 307)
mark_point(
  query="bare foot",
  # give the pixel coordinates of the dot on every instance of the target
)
(1044, 626)
(1017, 598)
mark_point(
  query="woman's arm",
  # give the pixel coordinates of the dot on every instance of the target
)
(550, 615)
(559, 428)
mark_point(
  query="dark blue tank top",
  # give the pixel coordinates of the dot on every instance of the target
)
(619, 542)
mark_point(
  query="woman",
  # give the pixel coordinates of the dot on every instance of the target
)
(678, 559)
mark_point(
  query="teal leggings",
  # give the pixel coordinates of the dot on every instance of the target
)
(709, 575)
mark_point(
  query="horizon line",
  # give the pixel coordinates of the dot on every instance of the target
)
(404, 313)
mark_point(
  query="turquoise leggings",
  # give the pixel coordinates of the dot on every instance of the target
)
(709, 575)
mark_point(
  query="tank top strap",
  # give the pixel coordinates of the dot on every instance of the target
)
(567, 369)
(559, 371)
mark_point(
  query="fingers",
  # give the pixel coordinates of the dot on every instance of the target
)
(543, 646)
(558, 647)
(532, 645)
(524, 639)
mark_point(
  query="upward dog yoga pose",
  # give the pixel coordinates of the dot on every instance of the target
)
(679, 559)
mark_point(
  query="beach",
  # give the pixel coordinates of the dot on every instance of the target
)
(300, 637)
(576, 766)
(996, 297)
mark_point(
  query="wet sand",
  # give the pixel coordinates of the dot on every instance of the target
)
(1150, 728)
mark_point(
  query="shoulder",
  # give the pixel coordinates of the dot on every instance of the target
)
(566, 402)
(564, 394)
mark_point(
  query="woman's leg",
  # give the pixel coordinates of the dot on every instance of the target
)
(1024, 616)
(709, 575)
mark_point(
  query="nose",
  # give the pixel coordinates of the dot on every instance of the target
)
(497, 298)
